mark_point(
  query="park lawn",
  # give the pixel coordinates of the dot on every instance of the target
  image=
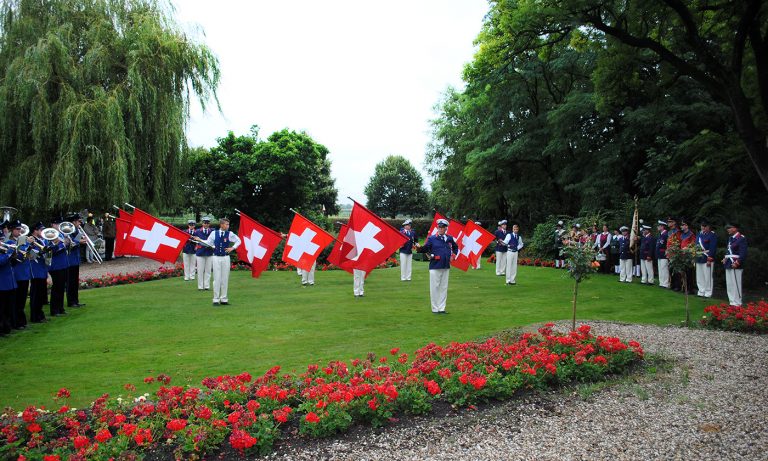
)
(129, 332)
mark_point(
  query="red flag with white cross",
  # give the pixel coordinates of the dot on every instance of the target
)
(258, 244)
(122, 225)
(474, 241)
(456, 230)
(370, 238)
(433, 227)
(153, 238)
(305, 242)
(335, 257)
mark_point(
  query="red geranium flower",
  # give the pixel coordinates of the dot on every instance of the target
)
(312, 418)
(176, 424)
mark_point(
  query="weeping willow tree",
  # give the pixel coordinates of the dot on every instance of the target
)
(94, 98)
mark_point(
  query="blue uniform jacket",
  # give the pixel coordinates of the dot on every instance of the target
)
(500, 235)
(59, 258)
(22, 270)
(73, 258)
(407, 248)
(221, 243)
(647, 247)
(737, 246)
(7, 280)
(624, 252)
(39, 269)
(661, 245)
(442, 249)
(707, 242)
(204, 234)
(189, 247)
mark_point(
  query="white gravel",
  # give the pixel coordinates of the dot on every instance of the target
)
(704, 398)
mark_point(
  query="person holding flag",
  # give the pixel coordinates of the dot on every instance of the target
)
(514, 243)
(188, 253)
(406, 251)
(203, 254)
(440, 248)
(501, 248)
(735, 257)
(305, 241)
(224, 242)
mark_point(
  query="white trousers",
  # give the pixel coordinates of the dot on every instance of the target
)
(501, 262)
(479, 257)
(438, 288)
(664, 273)
(646, 271)
(625, 270)
(358, 286)
(406, 262)
(220, 278)
(299, 271)
(308, 277)
(704, 279)
(189, 265)
(733, 285)
(204, 267)
(511, 266)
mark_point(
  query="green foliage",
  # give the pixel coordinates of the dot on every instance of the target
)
(396, 188)
(580, 260)
(94, 98)
(264, 178)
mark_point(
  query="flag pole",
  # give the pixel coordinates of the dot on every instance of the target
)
(116, 207)
(130, 205)
(371, 212)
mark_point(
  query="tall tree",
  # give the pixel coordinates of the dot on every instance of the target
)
(396, 187)
(94, 97)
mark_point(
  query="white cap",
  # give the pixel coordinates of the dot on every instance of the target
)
(442, 222)
(503, 221)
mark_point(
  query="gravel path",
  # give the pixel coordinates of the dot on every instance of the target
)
(118, 266)
(703, 399)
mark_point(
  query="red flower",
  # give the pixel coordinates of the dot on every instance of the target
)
(312, 418)
(51, 458)
(242, 440)
(432, 387)
(253, 405)
(129, 387)
(394, 351)
(203, 413)
(63, 393)
(176, 424)
(373, 405)
(149, 379)
(103, 435)
(34, 428)
(81, 442)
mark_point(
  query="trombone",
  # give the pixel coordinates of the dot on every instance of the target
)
(89, 244)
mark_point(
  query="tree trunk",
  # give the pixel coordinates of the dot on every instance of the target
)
(685, 290)
(575, 292)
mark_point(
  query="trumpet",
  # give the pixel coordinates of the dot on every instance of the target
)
(89, 244)
(13, 249)
(200, 241)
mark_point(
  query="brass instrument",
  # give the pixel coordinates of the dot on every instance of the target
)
(49, 233)
(13, 249)
(200, 241)
(89, 244)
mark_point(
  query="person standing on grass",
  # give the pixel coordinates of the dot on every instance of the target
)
(501, 249)
(647, 251)
(406, 251)
(58, 271)
(77, 239)
(203, 255)
(707, 242)
(440, 248)
(735, 257)
(603, 248)
(188, 253)
(514, 243)
(661, 254)
(625, 256)
(687, 239)
(224, 242)
(39, 284)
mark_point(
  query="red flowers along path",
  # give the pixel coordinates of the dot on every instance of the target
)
(249, 415)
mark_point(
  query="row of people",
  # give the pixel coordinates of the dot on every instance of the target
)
(25, 264)
(206, 254)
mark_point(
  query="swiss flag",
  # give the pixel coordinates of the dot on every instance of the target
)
(456, 230)
(433, 227)
(370, 238)
(259, 242)
(473, 242)
(152, 238)
(335, 257)
(305, 242)
(122, 225)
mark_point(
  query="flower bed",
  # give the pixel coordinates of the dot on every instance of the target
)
(248, 415)
(535, 262)
(752, 318)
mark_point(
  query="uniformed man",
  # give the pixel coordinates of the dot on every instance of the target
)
(647, 253)
(58, 271)
(707, 243)
(603, 249)
(22, 272)
(661, 254)
(615, 261)
(514, 243)
(440, 248)
(735, 257)
(558, 240)
(687, 239)
(224, 242)
(625, 256)
(39, 284)
(501, 249)
(7, 289)
(358, 283)
(308, 277)
(109, 231)
(203, 255)
(406, 251)
(188, 253)
(77, 239)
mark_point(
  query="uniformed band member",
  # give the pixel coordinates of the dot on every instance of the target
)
(406, 251)
(7, 289)
(603, 249)
(558, 238)
(615, 251)
(39, 284)
(308, 277)
(625, 256)
(440, 248)
(224, 242)
(58, 271)
(661, 254)
(501, 249)
(735, 257)
(514, 243)
(203, 255)
(687, 239)
(76, 239)
(707, 243)
(22, 272)
(647, 253)
(188, 252)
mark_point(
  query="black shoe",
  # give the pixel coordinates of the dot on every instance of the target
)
(443, 312)
(225, 303)
(215, 304)
(20, 327)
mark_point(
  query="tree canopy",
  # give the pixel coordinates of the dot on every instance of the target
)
(396, 187)
(263, 178)
(94, 97)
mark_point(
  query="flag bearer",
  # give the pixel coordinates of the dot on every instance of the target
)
(224, 242)
(625, 256)
(661, 254)
(203, 255)
(406, 251)
(440, 248)
(707, 243)
(514, 243)
(647, 252)
(501, 248)
(735, 257)
(188, 252)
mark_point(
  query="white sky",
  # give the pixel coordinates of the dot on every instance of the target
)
(360, 77)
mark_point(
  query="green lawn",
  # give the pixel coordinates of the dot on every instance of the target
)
(128, 332)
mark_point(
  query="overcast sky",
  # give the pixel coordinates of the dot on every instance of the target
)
(360, 77)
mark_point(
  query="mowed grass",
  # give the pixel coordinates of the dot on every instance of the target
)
(128, 332)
